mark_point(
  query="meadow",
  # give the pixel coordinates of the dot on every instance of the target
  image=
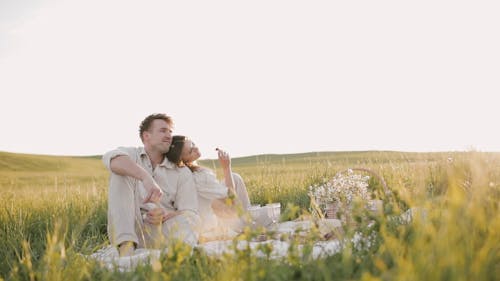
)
(53, 210)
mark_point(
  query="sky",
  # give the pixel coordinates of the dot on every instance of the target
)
(252, 77)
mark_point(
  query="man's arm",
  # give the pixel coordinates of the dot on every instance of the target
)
(124, 166)
(119, 162)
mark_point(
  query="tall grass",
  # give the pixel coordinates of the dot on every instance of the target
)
(48, 218)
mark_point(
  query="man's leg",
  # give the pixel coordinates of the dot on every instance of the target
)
(124, 218)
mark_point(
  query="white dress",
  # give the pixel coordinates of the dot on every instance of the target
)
(209, 188)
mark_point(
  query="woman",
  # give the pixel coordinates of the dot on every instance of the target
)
(216, 207)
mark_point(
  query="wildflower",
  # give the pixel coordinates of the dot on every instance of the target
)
(342, 188)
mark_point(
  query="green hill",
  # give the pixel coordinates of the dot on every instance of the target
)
(347, 157)
(31, 170)
(17, 162)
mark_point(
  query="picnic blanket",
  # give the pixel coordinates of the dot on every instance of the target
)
(109, 256)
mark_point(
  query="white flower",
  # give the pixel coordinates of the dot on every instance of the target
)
(343, 187)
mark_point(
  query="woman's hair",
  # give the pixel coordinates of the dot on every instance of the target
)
(175, 151)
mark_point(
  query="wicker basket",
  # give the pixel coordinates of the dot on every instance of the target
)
(335, 210)
(331, 210)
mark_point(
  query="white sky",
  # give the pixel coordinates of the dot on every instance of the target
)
(77, 77)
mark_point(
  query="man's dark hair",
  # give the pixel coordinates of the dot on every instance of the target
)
(146, 123)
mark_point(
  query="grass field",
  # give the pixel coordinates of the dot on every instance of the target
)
(52, 209)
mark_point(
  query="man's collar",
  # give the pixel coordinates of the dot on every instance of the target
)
(165, 163)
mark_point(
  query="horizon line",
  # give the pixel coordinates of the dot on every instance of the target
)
(272, 154)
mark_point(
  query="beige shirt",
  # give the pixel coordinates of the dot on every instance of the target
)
(176, 182)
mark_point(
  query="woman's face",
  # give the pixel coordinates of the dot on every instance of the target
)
(190, 152)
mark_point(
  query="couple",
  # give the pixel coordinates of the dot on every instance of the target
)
(157, 193)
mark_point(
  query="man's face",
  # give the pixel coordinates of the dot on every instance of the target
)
(159, 136)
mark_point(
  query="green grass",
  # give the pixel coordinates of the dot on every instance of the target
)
(54, 208)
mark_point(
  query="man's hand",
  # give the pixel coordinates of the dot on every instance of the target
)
(154, 192)
(158, 215)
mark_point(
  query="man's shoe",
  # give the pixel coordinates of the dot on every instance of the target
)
(126, 249)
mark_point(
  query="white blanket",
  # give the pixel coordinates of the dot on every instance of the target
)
(109, 257)
(279, 248)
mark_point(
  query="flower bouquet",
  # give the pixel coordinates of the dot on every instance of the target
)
(335, 197)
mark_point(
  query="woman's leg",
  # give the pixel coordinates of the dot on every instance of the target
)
(238, 219)
(184, 228)
(241, 191)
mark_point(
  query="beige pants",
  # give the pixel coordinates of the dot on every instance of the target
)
(125, 222)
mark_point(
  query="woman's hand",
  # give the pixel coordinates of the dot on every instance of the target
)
(168, 215)
(155, 216)
(224, 159)
(225, 162)
(159, 215)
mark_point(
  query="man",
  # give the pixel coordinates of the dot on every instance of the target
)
(174, 215)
